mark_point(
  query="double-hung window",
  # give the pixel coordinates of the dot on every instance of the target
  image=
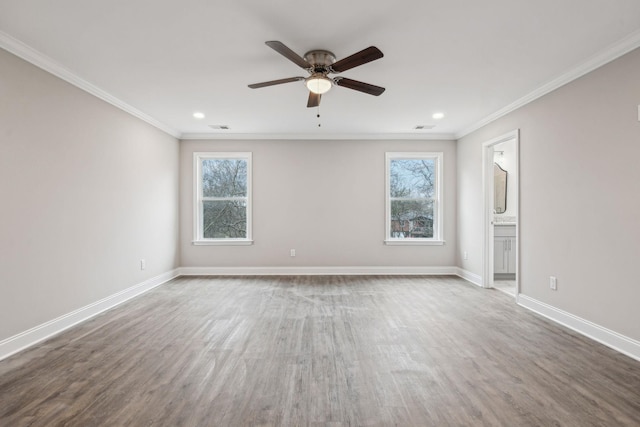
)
(222, 198)
(413, 199)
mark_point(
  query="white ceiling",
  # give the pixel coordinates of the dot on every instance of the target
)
(469, 59)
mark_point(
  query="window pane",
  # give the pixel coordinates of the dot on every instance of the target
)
(224, 219)
(414, 178)
(411, 219)
(224, 178)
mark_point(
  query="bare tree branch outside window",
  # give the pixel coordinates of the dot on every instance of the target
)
(412, 190)
(224, 198)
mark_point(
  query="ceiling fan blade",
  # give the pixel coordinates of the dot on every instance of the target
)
(314, 100)
(359, 86)
(366, 55)
(275, 82)
(288, 53)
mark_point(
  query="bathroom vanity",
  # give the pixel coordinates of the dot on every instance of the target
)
(504, 251)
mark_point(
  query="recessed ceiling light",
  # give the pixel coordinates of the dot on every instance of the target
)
(198, 115)
(438, 116)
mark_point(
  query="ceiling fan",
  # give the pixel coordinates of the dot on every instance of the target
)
(319, 64)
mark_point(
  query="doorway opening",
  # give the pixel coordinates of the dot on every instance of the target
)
(500, 171)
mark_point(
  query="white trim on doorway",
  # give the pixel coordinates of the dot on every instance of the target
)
(488, 206)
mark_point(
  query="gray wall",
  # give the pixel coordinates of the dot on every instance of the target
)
(323, 198)
(579, 195)
(86, 191)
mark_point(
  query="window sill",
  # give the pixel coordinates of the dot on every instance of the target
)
(223, 242)
(413, 242)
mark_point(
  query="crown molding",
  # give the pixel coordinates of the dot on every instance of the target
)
(42, 61)
(613, 52)
(321, 136)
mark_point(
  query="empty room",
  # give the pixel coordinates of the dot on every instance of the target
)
(246, 213)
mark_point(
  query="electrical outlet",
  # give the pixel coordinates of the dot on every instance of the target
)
(293, 252)
(465, 255)
(143, 264)
(553, 283)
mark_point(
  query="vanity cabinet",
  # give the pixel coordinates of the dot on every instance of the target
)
(504, 252)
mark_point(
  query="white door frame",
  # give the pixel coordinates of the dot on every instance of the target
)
(488, 206)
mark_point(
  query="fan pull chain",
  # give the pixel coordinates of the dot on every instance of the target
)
(318, 116)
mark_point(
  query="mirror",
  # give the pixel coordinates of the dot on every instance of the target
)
(500, 189)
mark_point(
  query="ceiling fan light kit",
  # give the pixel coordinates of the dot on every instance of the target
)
(319, 64)
(318, 84)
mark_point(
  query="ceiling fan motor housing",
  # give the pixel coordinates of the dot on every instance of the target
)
(320, 60)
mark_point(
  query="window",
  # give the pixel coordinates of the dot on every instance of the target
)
(222, 198)
(413, 199)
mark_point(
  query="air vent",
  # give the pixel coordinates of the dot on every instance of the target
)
(424, 127)
(219, 127)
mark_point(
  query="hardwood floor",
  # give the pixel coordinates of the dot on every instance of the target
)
(319, 351)
(506, 286)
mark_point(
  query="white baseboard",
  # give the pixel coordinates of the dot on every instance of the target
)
(469, 276)
(314, 271)
(46, 330)
(616, 341)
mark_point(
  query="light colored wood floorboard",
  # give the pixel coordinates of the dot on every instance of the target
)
(319, 351)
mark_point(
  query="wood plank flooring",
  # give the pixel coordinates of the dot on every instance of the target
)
(319, 351)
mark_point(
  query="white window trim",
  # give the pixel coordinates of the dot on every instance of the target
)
(437, 239)
(197, 198)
